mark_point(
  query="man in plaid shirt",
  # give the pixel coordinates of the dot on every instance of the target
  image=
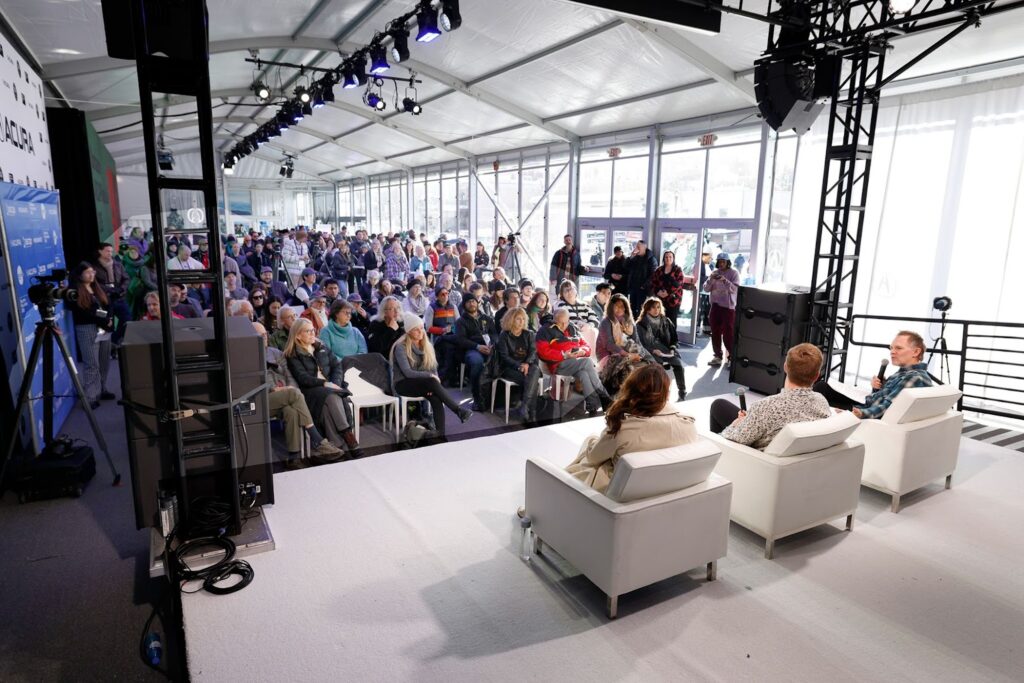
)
(907, 352)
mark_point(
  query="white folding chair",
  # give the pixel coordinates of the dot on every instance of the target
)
(366, 395)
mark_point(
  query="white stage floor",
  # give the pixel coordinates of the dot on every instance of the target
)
(404, 567)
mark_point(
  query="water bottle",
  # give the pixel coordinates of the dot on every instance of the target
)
(154, 649)
(525, 540)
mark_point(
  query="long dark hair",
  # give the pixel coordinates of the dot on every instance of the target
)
(88, 296)
(644, 393)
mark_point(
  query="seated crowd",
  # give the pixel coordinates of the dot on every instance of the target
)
(429, 311)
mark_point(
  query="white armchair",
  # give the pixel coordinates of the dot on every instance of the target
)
(664, 514)
(808, 475)
(915, 442)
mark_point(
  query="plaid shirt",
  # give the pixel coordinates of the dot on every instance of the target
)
(877, 402)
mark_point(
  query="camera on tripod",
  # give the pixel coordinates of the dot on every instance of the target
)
(942, 303)
(48, 291)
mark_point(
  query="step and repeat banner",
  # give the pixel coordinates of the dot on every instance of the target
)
(24, 138)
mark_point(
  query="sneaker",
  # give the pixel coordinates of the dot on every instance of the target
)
(107, 396)
(296, 464)
(715, 362)
(326, 452)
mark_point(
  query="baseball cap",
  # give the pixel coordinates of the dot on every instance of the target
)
(355, 298)
(308, 271)
(266, 269)
(723, 256)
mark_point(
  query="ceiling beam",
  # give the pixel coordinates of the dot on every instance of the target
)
(685, 48)
(166, 101)
(131, 135)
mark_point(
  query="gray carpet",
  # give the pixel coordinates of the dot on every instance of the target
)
(74, 587)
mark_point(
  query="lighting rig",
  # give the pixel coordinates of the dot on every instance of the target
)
(432, 18)
(287, 166)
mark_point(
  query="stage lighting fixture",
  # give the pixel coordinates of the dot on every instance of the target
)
(399, 44)
(378, 59)
(229, 169)
(348, 77)
(296, 112)
(901, 6)
(287, 167)
(412, 106)
(274, 129)
(261, 135)
(450, 17)
(426, 18)
(327, 84)
(261, 90)
(374, 101)
(791, 93)
(283, 119)
(302, 94)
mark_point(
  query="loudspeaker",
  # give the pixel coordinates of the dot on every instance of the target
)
(168, 28)
(769, 321)
(151, 440)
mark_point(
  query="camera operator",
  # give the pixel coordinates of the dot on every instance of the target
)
(111, 277)
(92, 315)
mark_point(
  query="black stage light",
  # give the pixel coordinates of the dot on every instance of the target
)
(378, 59)
(289, 173)
(302, 94)
(450, 17)
(348, 77)
(295, 110)
(274, 129)
(283, 118)
(375, 101)
(327, 84)
(307, 109)
(791, 92)
(399, 44)
(412, 106)
(426, 18)
(261, 135)
(261, 90)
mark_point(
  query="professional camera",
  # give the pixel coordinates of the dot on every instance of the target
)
(942, 303)
(47, 290)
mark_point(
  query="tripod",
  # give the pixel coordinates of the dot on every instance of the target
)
(943, 349)
(46, 333)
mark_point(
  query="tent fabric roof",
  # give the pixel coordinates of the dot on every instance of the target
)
(516, 74)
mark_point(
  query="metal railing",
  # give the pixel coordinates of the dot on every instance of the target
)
(976, 338)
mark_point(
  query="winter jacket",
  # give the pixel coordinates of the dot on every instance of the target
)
(606, 345)
(671, 282)
(470, 331)
(552, 342)
(440, 319)
(639, 270)
(381, 337)
(655, 333)
(514, 351)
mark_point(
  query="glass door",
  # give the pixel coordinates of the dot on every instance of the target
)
(685, 243)
(598, 237)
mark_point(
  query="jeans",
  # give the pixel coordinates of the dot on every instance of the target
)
(583, 369)
(95, 358)
(474, 361)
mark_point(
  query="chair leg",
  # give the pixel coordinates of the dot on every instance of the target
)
(712, 570)
(613, 606)
(508, 398)
(949, 481)
(895, 503)
(769, 548)
(849, 522)
(355, 427)
(462, 375)
(538, 545)
(493, 385)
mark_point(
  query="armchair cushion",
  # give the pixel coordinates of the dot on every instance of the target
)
(921, 403)
(652, 473)
(817, 435)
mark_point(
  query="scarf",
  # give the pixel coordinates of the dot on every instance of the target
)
(620, 330)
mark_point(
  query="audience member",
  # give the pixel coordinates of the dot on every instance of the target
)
(183, 260)
(538, 312)
(615, 271)
(416, 302)
(579, 312)
(667, 284)
(797, 402)
(92, 315)
(152, 301)
(473, 336)
(565, 352)
(286, 317)
(905, 352)
(181, 303)
(640, 266)
(510, 299)
(655, 336)
(317, 312)
(517, 359)
(565, 264)
(339, 335)
(241, 308)
(307, 288)
(232, 290)
(386, 327)
(602, 293)
(360, 316)
(276, 288)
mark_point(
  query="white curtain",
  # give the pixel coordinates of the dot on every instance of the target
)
(945, 218)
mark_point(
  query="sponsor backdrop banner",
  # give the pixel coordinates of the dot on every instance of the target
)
(104, 187)
(32, 237)
(24, 138)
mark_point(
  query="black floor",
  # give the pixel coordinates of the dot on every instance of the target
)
(74, 585)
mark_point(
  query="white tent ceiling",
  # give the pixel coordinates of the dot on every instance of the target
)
(515, 74)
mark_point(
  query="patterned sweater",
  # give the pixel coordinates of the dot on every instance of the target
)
(877, 402)
(767, 417)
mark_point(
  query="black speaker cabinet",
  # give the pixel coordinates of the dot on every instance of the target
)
(151, 441)
(769, 320)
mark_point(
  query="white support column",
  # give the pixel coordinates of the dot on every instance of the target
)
(653, 175)
(574, 191)
(762, 207)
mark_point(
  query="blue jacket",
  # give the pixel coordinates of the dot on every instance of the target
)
(343, 341)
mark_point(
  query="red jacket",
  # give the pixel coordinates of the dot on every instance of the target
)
(551, 342)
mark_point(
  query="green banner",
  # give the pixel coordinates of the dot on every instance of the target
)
(104, 187)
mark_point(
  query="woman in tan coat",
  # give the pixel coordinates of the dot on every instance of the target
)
(640, 419)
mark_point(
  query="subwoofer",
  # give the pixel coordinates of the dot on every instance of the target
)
(769, 321)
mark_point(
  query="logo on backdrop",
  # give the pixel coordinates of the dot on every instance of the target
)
(21, 276)
(195, 215)
(24, 137)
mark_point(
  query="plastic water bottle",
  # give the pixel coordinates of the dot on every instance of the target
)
(525, 540)
(154, 649)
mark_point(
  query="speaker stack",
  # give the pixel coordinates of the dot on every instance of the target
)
(769, 321)
(151, 440)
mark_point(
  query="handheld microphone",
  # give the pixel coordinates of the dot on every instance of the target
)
(881, 369)
(742, 393)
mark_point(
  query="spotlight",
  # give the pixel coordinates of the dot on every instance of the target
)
(378, 59)
(426, 18)
(327, 88)
(303, 94)
(307, 109)
(229, 170)
(451, 18)
(375, 101)
(348, 77)
(284, 120)
(296, 112)
(274, 129)
(412, 106)
(287, 167)
(261, 90)
(901, 6)
(261, 135)
(400, 43)
(942, 303)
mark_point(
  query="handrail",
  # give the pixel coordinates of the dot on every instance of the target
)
(968, 345)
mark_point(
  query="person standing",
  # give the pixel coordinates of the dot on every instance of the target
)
(565, 264)
(111, 277)
(640, 266)
(667, 285)
(722, 287)
(92, 316)
(704, 302)
(615, 271)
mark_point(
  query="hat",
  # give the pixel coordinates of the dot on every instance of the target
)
(413, 282)
(266, 269)
(355, 298)
(708, 249)
(723, 256)
(411, 321)
(308, 271)
(317, 295)
(525, 282)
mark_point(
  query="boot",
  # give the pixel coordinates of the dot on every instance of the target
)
(353, 446)
(326, 453)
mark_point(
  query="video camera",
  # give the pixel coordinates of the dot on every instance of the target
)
(48, 290)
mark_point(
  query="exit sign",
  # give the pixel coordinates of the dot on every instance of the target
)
(707, 139)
